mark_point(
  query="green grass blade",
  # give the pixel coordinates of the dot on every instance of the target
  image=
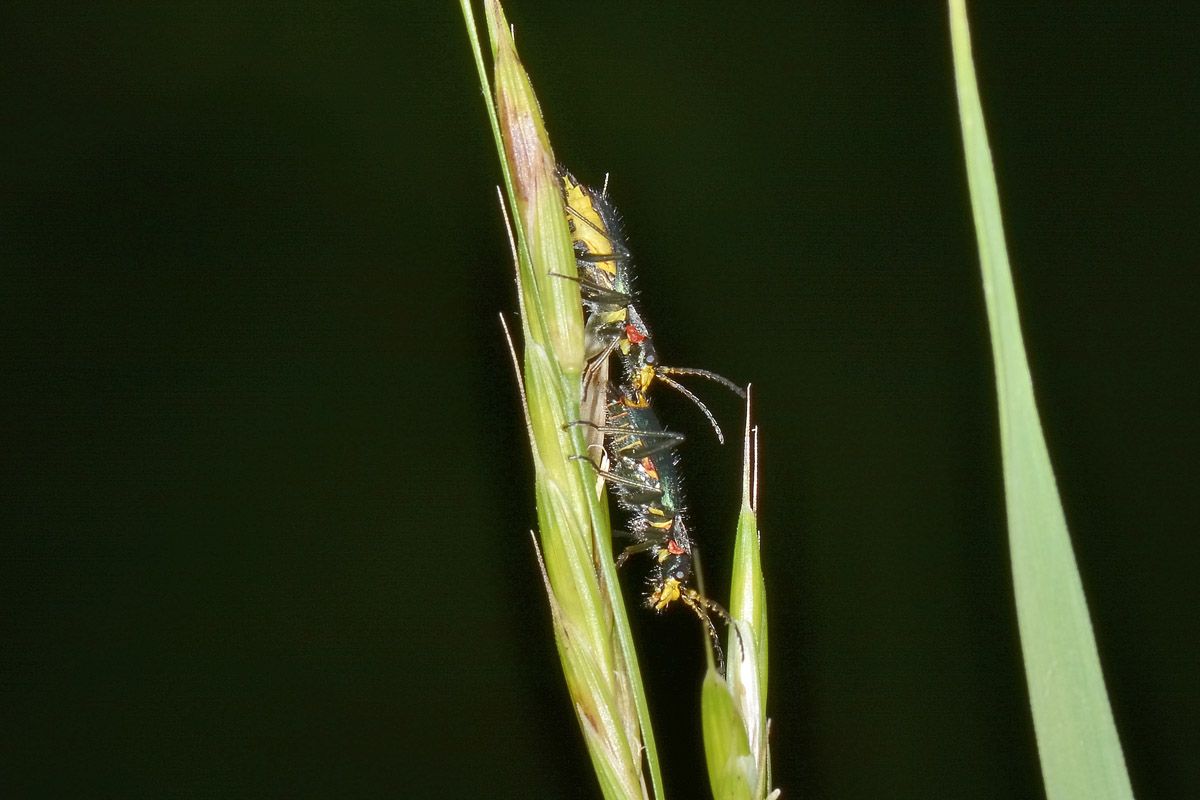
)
(1080, 753)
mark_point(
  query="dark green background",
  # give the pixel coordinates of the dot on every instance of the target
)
(266, 495)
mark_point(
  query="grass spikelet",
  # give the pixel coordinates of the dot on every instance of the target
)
(734, 710)
(590, 626)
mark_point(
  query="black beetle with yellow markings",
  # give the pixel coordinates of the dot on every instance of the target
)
(614, 323)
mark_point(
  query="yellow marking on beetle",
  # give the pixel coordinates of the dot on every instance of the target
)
(666, 593)
(636, 396)
(591, 230)
(639, 399)
(643, 378)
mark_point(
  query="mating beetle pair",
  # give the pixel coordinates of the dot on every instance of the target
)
(642, 463)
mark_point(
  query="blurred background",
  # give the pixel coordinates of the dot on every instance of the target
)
(266, 491)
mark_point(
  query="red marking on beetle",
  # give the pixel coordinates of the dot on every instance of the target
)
(674, 548)
(634, 335)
